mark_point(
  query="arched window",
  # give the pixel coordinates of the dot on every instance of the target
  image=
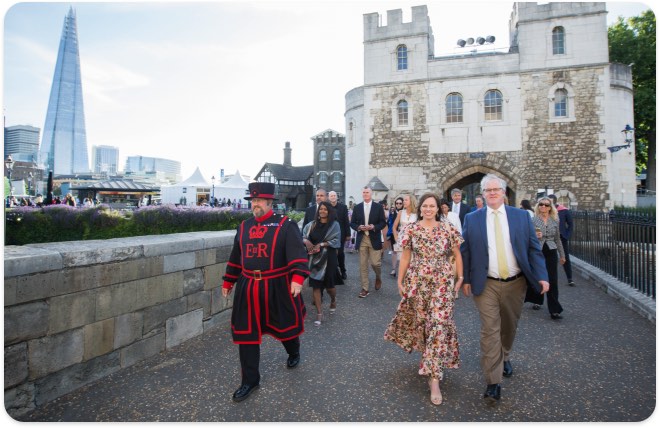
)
(402, 112)
(336, 155)
(336, 177)
(401, 57)
(493, 105)
(323, 156)
(561, 103)
(454, 107)
(323, 177)
(558, 41)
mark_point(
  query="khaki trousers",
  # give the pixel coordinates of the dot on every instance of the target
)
(368, 256)
(500, 306)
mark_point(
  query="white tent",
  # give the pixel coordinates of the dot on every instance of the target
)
(235, 187)
(188, 192)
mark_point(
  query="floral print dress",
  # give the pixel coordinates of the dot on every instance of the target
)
(424, 320)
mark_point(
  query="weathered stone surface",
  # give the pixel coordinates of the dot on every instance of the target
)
(52, 353)
(205, 257)
(193, 281)
(71, 311)
(156, 316)
(159, 289)
(116, 300)
(199, 300)
(184, 327)
(213, 275)
(143, 349)
(99, 338)
(37, 286)
(128, 329)
(173, 243)
(178, 262)
(27, 259)
(24, 322)
(20, 401)
(16, 364)
(93, 252)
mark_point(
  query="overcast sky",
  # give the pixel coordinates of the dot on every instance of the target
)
(218, 84)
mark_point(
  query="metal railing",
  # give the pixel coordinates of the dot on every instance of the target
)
(621, 244)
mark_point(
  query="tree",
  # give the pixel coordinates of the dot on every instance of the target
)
(632, 41)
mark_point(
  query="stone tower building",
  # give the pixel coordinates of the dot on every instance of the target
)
(329, 162)
(541, 115)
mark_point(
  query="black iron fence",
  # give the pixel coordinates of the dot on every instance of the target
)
(619, 243)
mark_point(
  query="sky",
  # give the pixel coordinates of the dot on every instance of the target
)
(219, 84)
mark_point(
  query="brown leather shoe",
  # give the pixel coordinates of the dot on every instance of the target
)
(378, 284)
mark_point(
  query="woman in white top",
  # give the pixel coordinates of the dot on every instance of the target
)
(527, 206)
(452, 217)
(403, 218)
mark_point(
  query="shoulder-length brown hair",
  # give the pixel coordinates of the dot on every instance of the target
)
(424, 197)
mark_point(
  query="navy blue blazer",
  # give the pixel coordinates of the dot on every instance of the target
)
(376, 217)
(526, 248)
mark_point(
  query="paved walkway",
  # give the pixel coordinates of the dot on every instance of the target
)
(597, 364)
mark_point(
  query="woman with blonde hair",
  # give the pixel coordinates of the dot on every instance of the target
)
(546, 222)
(403, 218)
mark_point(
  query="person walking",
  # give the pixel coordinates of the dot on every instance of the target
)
(322, 238)
(368, 220)
(459, 207)
(424, 320)
(267, 266)
(404, 217)
(451, 217)
(310, 212)
(341, 211)
(565, 229)
(394, 212)
(546, 223)
(501, 255)
(527, 206)
(478, 203)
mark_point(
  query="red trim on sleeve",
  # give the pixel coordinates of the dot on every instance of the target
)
(227, 285)
(297, 278)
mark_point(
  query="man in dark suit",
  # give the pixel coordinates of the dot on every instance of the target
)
(565, 231)
(344, 224)
(501, 256)
(310, 212)
(458, 206)
(368, 220)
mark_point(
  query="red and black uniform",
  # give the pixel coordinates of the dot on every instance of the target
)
(268, 254)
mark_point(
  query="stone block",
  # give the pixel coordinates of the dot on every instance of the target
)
(178, 262)
(159, 289)
(219, 302)
(99, 338)
(128, 329)
(116, 300)
(199, 300)
(49, 354)
(156, 316)
(184, 327)
(85, 253)
(142, 350)
(27, 288)
(74, 377)
(213, 275)
(174, 243)
(193, 281)
(20, 401)
(26, 259)
(218, 320)
(205, 257)
(16, 364)
(71, 311)
(24, 322)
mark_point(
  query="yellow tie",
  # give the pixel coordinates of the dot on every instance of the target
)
(499, 244)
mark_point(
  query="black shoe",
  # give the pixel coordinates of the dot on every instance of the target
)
(571, 283)
(536, 307)
(508, 369)
(292, 361)
(243, 392)
(556, 316)
(493, 393)
(344, 276)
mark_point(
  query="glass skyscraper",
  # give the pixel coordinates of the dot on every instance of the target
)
(64, 143)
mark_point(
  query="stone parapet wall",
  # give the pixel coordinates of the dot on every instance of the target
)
(77, 311)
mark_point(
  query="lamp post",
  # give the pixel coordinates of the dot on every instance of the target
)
(213, 190)
(9, 164)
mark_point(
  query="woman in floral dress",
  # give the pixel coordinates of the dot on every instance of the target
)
(424, 320)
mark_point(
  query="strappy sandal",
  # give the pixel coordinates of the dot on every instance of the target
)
(435, 399)
(333, 306)
(319, 317)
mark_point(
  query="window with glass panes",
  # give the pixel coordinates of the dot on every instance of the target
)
(402, 110)
(493, 105)
(454, 106)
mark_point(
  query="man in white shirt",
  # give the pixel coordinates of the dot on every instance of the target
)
(458, 206)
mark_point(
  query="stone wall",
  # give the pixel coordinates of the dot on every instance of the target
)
(78, 311)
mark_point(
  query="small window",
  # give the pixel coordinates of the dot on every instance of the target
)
(454, 107)
(493, 105)
(336, 177)
(323, 177)
(336, 155)
(558, 41)
(561, 103)
(402, 57)
(323, 156)
(402, 111)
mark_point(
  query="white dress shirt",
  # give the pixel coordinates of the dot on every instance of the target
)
(511, 261)
(367, 211)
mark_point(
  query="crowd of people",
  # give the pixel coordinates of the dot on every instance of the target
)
(499, 255)
(40, 201)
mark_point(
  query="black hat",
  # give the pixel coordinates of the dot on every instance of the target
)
(261, 190)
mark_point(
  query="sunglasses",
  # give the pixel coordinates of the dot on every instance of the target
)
(544, 205)
(399, 203)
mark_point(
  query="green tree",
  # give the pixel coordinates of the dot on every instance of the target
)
(632, 41)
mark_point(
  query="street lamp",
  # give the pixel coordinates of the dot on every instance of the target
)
(213, 190)
(628, 138)
(9, 164)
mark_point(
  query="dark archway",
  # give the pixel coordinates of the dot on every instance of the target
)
(470, 186)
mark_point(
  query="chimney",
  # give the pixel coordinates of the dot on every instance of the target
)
(287, 154)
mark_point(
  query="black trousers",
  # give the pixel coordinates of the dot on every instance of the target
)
(341, 258)
(551, 260)
(249, 356)
(567, 266)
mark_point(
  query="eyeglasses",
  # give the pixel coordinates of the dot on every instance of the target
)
(544, 205)
(493, 190)
(399, 203)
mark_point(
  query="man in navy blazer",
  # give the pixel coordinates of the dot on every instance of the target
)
(458, 207)
(497, 272)
(369, 249)
(310, 212)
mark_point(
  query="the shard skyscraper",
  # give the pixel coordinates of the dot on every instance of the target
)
(64, 143)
